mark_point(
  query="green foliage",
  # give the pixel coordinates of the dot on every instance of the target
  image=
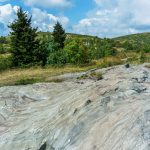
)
(24, 41)
(2, 50)
(57, 58)
(92, 75)
(26, 81)
(94, 48)
(136, 42)
(52, 55)
(142, 57)
(128, 45)
(4, 45)
(3, 40)
(99, 48)
(108, 48)
(141, 38)
(76, 51)
(146, 48)
(5, 62)
(46, 46)
(97, 75)
(59, 35)
(81, 50)
(56, 80)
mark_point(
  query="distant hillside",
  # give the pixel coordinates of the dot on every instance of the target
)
(137, 42)
(69, 35)
(140, 37)
(6, 43)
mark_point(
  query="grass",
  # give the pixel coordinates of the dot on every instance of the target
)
(5, 61)
(97, 75)
(36, 74)
(147, 66)
(23, 76)
(25, 81)
(92, 75)
(108, 61)
(56, 80)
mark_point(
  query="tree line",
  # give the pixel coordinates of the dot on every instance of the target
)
(28, 49)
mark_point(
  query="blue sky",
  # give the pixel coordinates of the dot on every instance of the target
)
(103, 18)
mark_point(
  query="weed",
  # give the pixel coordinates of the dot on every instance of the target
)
(25, 81)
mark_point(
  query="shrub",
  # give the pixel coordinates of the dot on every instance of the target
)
(51, 53)
(127, 45)
(92, 75)
(142, 57)
(2, 50)
(5, 61)
(57, 58)
(25, 81)
(99, 48)
(3, 40)
(97, 75)
(76, 51)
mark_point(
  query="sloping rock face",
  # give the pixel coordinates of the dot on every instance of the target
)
(109, 114)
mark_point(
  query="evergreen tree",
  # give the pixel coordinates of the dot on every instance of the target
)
(24, 40)
(59, 35)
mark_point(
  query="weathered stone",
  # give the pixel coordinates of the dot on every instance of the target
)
(110, 114)
(43, 147)
(127, 66)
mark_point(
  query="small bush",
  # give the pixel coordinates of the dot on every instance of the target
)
(142, 57)
(76, 51)
(25, 81)
(57, 58)
(2, 50)
(97, 75)
(56, 80)
(5, 62)
(110, 61)
(92, 75)
(84, 76)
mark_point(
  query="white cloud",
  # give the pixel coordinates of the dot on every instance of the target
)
(45, 21)
(7, 15)
(108, 19)
(49, 3)
(41, 19)
(115, 18)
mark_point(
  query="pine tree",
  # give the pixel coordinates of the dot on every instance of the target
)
(59, 35)
(24, 40)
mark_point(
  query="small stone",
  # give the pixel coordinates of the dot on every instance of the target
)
(127, 65)
(43, 147)
(88, 102)
(75, 111)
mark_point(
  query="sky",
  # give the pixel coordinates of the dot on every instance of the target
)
(103, 18)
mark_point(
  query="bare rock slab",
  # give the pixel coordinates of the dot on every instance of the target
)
(110, 114)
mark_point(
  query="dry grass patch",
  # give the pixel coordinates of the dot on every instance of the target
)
(147, 66)
(92, 75)
(38, 74)
(96, 75)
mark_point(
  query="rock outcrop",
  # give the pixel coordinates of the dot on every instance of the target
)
(108, 114)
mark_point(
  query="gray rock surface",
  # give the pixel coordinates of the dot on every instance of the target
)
(110, 114)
